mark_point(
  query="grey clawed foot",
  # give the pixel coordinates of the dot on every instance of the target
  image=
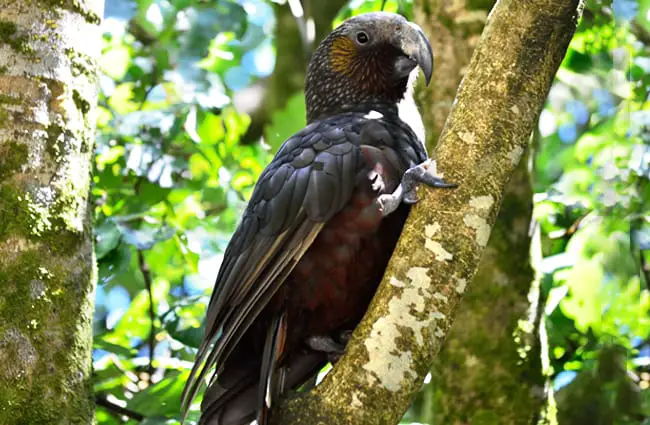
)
(424, 173)
(328, 345)
(389, 202)
(345, 336)
(325, 344)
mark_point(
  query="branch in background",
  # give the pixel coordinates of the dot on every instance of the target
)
(645, 269)
(271, 94)
(454, 32)
(495, 112)
(146, 274)
(299, 14)
(117, 410)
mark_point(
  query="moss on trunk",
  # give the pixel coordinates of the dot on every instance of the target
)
(47, 268)
(493, 342)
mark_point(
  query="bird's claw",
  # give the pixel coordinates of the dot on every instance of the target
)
(327, 344)
(424, 173)
(388, 202)
(345, 336)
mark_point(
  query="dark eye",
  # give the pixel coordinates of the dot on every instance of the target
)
(362, 37)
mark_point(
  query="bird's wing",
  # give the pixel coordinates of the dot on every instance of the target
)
(310, 179)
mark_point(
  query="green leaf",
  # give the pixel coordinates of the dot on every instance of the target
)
(146, 237)
(115, 62)
(163, 398)
(286, 122)
(114, 263)
(183, 323)
(120, 350)
(107, 237)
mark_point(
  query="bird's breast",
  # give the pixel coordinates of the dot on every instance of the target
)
(334, 281)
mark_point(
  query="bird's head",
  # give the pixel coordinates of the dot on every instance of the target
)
(366, 60)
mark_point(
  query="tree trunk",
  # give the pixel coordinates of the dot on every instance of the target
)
(454, 29)
(438, 254)
(493, 342)
(48, 93)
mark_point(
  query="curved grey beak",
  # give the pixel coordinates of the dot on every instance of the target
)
(416, 46)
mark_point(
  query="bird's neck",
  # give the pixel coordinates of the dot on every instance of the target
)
(330, 93)
(318, 108)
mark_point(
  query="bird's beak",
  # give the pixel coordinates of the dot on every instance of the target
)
(415, 45)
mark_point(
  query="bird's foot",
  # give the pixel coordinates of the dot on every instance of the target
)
(345, 336)
(326, 344)
(424, 173)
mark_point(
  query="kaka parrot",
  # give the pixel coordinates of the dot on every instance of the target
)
(322, 222)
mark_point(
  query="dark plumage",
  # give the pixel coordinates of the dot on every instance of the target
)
(314, 240)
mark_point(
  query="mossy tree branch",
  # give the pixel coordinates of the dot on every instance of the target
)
(438, 254)
(494, 341)
(48, 93)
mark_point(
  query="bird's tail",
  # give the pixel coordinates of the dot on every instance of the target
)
(245, 391)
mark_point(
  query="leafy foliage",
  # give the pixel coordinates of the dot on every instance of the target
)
(171, 179)
(172, 176)
(593, 207)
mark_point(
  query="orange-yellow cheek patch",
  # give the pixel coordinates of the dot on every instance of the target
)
(342, 54)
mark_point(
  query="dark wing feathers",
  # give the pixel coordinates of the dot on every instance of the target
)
(304, 186)
(311, 178)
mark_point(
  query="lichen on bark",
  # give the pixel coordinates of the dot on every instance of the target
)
(493, 116)
(47, 271)
(493, 342)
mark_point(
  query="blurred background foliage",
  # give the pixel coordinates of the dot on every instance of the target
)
(191, 112)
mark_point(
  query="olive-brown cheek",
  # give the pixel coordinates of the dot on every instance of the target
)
(342, 55)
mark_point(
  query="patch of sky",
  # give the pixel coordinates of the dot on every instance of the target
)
(259, 13)
(547, 123)
(100, 297)
(563, 379)
(119, 10)
(261, 60)
(605, 100)
(99, 354)
(204, 279)
(237, 78)
(625, 9)
(117, 302)
(107, 84)
(161, 349)
(132, 123)
(643, 63)
(579, 111)
(161, 171)
(568, 132)
(194, 84)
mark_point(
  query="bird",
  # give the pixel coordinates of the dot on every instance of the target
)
(323, 219)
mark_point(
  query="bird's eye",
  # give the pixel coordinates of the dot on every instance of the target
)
(362, 37)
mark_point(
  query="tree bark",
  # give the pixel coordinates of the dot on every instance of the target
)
(454, 29)
(493, 342)
(48, 93)
(495, 111)
(489, 370)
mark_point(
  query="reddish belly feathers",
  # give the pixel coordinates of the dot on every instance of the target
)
(331, 286)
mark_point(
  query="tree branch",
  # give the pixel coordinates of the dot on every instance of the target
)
(437, 256)
(117, 410)
(146, 275)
